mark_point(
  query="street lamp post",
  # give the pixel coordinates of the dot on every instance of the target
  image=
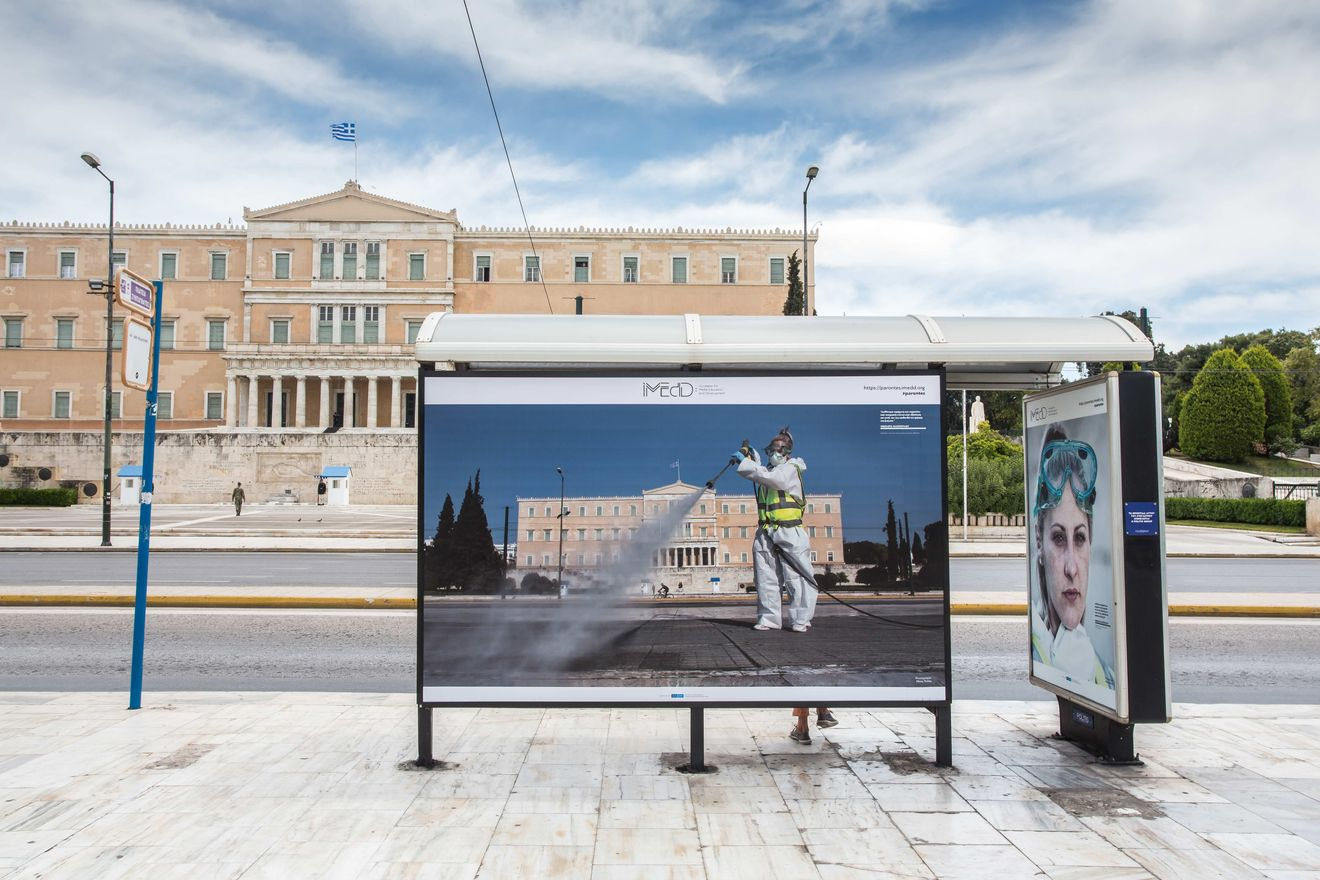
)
(95, 164)
(559, 581)
(812, 171)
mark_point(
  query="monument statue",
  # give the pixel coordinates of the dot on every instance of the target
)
(977, 417)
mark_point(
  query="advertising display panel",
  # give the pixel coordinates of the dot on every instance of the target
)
(1074, 545)
(644, 539)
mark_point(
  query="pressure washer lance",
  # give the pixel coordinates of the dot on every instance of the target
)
(710, 484)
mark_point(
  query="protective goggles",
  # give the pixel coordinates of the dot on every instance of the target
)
(1066, 463)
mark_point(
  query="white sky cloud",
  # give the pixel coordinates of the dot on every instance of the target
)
(603, 46)
(1126, 154)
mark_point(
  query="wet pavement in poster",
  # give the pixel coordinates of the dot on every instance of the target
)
(582, 642)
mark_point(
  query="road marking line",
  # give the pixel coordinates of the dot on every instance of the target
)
(191, 522)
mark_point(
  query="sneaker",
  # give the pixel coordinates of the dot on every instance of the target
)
(800, 627)
(761, 627)
(826, 719)
(800, 736)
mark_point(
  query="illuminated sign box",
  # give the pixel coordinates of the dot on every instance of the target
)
(633, 548)
(1098, 608)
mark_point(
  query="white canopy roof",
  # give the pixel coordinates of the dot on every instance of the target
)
(977, 352)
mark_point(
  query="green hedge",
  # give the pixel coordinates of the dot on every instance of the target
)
(1257, 511)
(38, 497)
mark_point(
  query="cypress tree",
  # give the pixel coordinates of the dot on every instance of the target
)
(794, 302)
(1223, 414)
(438, 562)
(477, 563)
(891, 558)
(1278, 396)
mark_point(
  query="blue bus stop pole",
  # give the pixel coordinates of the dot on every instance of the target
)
(144, 510)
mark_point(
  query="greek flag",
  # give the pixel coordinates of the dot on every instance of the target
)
(344, 131)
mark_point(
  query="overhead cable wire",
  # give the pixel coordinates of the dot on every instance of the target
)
(540, 273)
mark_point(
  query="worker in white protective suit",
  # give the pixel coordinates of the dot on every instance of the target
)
(781, 555)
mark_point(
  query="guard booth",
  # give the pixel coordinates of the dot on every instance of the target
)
(564, 423)
(130, 485)
(337, 480)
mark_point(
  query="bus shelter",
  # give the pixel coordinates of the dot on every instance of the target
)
(575, 439)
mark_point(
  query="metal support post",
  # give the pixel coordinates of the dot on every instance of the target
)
(424, 757)
(144, 511)
(109, 378)
(943, 735)
(696, 743)
(964, 462)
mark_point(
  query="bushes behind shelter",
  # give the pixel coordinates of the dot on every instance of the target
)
(1253, 511)
(38, 497)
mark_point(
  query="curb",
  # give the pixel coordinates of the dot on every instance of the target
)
(408, 604)
(155, 548)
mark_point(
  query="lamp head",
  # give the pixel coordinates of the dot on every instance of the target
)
(91, 160)
(812, 171)
(559, 471)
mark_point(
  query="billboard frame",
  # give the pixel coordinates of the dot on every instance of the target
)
(1134, 495)
(941, 707)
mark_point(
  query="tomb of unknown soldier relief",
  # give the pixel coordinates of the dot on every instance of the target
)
(287, 341)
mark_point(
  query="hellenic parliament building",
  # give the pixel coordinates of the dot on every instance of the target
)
(714, 539)
(287, 341)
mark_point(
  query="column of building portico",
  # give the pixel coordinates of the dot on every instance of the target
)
(231, 401)
(253, 379)
(396, 401)
(276, 401)
(372, 381)
(350, 402)
(324, 418)
(300, 403)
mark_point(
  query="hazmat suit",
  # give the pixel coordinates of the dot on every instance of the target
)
(781, 553)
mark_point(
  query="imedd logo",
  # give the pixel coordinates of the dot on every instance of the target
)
(667, 389)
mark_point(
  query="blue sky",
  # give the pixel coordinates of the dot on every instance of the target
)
(623, 450)
(976, 158)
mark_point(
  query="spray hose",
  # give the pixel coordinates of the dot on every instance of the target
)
(793, 564)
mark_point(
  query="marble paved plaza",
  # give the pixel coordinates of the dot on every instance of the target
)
(292, 785)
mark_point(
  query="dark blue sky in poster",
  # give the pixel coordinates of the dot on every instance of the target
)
(621, 450)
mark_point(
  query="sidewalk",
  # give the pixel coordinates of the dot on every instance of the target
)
(309, 785)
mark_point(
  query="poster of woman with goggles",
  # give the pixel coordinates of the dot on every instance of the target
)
(1070, 483)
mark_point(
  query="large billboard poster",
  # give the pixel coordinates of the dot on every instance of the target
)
(695, 538)
(1073, 541)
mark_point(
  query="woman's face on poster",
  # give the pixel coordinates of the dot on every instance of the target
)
(1066, 553)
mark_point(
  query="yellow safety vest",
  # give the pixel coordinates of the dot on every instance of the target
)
(776, 508)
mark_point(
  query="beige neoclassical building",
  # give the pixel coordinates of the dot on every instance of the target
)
(715, 533)
(301, 320)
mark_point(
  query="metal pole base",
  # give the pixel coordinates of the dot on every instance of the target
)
(943, 735)
(424, 757)
(697, 745)
(1109, 741)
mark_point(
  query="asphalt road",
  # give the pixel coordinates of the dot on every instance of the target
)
(1214, 660)
(201, 568)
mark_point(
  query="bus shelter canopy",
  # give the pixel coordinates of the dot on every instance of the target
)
(976, 352)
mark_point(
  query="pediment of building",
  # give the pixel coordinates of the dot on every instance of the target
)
(676, 488)
(352, 204)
